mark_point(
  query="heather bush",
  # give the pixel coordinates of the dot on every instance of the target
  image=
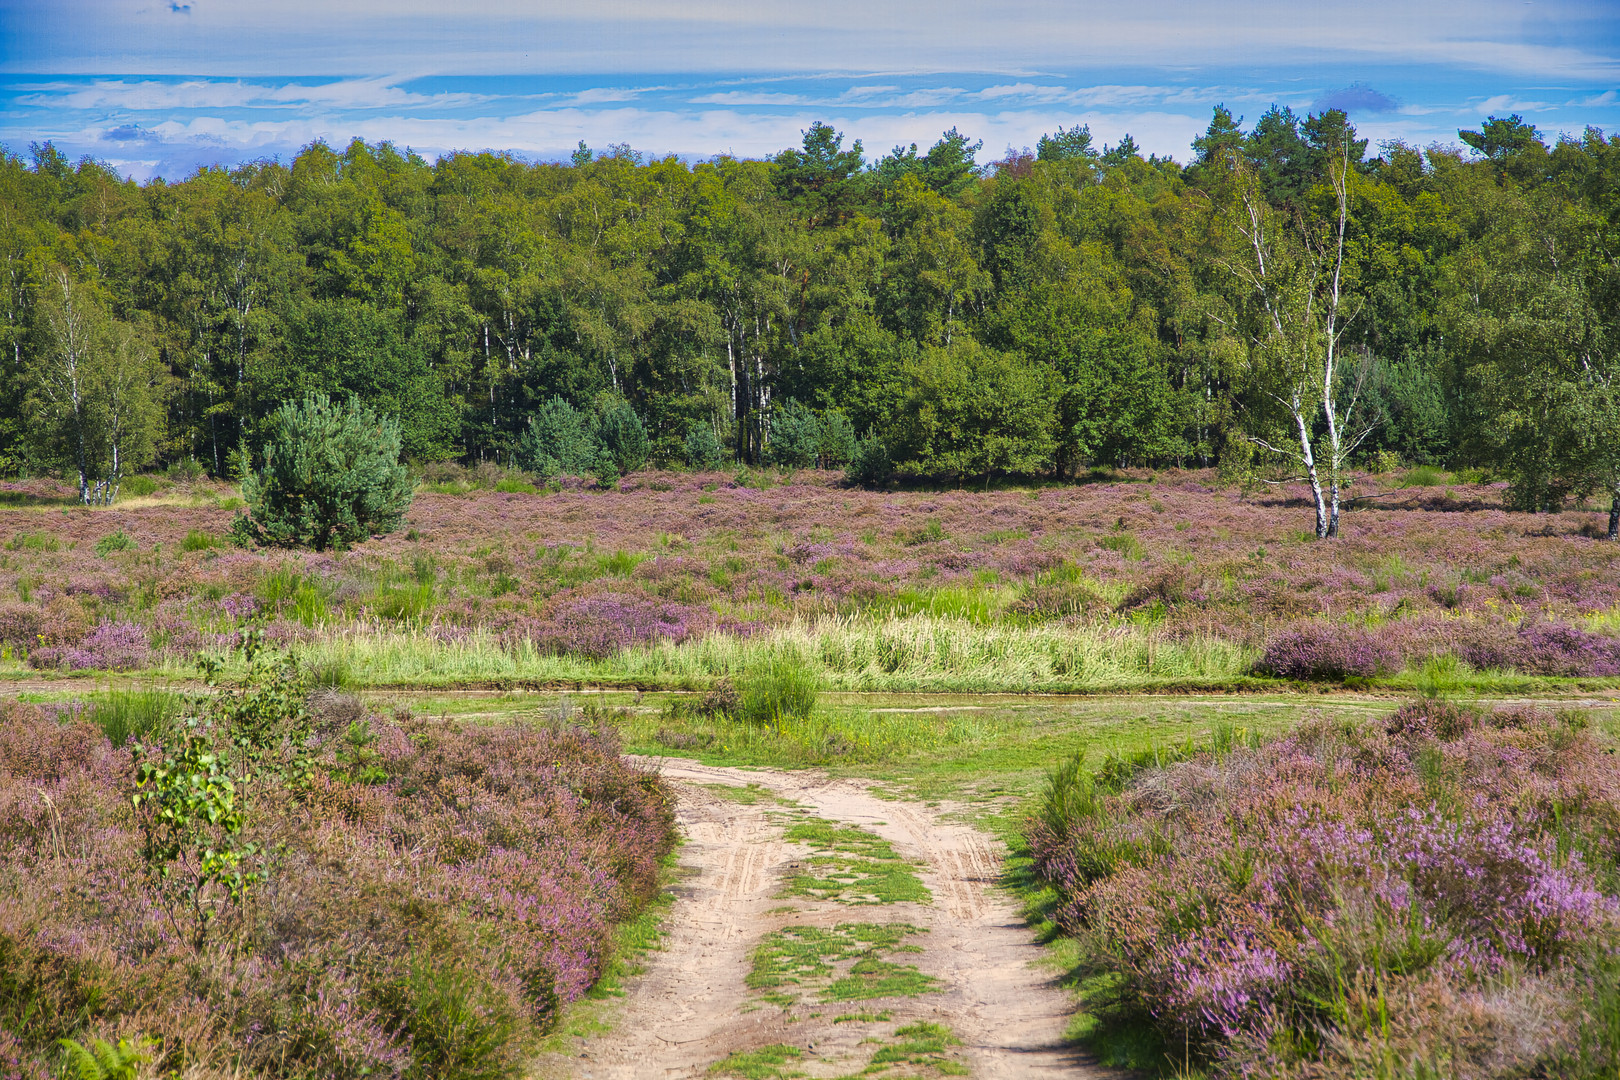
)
(1438, 889)
(436, 895)
(109, 647)
(1330, 652)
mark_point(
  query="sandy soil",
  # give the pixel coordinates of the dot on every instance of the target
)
(691, 1008)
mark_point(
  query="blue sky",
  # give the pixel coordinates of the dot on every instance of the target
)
(158, 87)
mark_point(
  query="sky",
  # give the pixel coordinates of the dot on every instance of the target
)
(160, 87)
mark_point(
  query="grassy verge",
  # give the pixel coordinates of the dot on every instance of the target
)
(911, 654)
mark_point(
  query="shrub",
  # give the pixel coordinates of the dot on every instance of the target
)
(622, 434)
(795, 437)
(116, 541)
(331, 476)
(527, 844)
(1434, 889)
(109, 647)
(837, 440)
(560, 440)
(779, 687)
(702, 445)
(870, 464)
(1326, 651)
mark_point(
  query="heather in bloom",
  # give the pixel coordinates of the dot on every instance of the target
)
(1445, 871)
(426, 915)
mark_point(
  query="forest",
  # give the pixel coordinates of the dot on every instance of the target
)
(1290, 304)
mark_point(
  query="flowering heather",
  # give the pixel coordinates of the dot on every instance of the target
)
(429, 918)
(109, 647)
(1354, 892)
(678, 556)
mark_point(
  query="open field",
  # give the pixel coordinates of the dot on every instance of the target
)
(855, 698)
(1151, 580)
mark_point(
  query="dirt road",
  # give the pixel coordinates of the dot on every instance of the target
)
(975, 962)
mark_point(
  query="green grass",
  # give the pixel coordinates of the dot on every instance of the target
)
(845, 963)
(912, 654)
(923, 1044)
(849, 865)
(133, 712)
(766, 1063)
(197, 540)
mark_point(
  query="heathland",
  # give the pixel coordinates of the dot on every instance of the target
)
(1264, 865)
(687, 581)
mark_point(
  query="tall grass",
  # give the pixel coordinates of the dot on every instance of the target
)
(780, 686)
(133, 712)
(919, 653)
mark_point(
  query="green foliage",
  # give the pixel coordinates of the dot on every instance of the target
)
(197, 540)
(115, 541)
(468, 300)
(560, 440)
(795, 438)
(974, 411)
(331, 476)
(102, 1060)
(136, 713)
(460, 1028)
(702, 446)
(777, 687)
(870, 464)
(622, 434)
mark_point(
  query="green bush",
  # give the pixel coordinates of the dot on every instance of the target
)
(837, 440)
(138, 486)
(795, 438)
(777, 688)
(621, 434)
(118, 541)
(560, 440)
(702, 445)
(870, 465)
(331, 477)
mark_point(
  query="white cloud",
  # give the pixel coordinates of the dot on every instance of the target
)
(314, 37)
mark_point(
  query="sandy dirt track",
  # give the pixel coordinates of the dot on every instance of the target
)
(691, 1008)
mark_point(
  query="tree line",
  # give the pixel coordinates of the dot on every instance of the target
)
(1289, 303)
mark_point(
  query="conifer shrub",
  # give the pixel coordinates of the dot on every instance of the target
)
(702, 445)
(331, 477)
(795, 438)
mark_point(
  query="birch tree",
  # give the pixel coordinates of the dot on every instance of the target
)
(1291, 314)
(94, 391)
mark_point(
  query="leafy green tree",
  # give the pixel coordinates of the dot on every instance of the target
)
(1066, 144)
(974, 411)
(330, 476)
(95, 389)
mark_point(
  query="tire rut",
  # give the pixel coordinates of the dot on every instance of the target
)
(691, 1007)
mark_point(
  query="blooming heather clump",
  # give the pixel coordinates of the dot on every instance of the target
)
(1257, 905)
(602, 624)
(1329, 652)
(109, 647)
(427, 914)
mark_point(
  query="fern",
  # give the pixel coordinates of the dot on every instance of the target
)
(104, 1061)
